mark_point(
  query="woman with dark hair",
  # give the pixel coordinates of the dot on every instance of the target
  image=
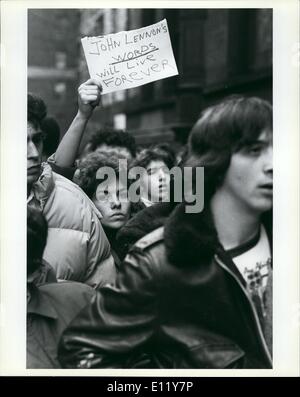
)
(155, 189)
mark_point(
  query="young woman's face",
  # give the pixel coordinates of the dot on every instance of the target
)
(111, 200)
(155, 181)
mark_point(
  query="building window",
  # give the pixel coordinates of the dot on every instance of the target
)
(241, 41)
(264, 43)
(99, 26)
(169, 85)
(60, 90)
(60, 60)
(191, 65)
(120, 121)
(148, 18)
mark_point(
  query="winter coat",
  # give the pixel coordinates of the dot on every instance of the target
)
(51, 308)
(179, 302)
(142, 223)
(77, 247)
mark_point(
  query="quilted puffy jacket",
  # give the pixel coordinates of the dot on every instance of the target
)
(77, 247)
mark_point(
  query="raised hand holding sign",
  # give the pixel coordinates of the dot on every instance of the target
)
(130, 58)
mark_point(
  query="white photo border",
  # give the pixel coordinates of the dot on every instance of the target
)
(286, 308)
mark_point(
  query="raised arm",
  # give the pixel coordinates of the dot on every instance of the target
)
(89, 96)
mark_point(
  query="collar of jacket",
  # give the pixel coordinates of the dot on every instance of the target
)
(192, 239)
(44, 185)
(39, 303)
(142, 223)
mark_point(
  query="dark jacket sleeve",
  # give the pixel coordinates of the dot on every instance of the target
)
(111, 331)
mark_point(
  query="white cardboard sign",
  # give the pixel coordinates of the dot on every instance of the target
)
(130, 58)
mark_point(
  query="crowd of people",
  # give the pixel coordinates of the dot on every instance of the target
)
(118, 280)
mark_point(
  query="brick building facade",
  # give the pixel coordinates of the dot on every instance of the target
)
(53, 57)
(218, 53)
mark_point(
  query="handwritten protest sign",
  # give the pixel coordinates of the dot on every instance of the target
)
(130, 58)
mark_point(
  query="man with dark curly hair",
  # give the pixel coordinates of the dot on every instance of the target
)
(109, 138)
(36, 113)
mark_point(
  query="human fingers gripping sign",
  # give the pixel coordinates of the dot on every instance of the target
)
(90, 92)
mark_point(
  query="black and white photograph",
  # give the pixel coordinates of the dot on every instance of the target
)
(155, 234)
